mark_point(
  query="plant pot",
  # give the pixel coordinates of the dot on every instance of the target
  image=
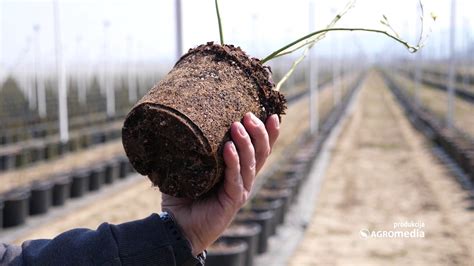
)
(264, 219)
(283, 194)
(112, 170)
(248, 233)
(61, 189)
(123, 166)
(16, 207)
(41, 197)
(175, 134)
(80, 183)
(73, 144)
(7, 161)
(260, 205)
(1, 213)
(226, 252)
(20, 158)
(97, 138)
(49, 151)
(282, 183)
(62, 148)
(96, 177)
(84, 141)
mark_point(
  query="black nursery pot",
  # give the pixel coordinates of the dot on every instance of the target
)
(248, 233)
(264, 219)
(36, 153)
(125, 167)
(112, 170)
(7, 161)
(283, 194)
(63, 148)
(282, 183)
(226, 252)
(259, 205)
(16, 207)
(96, 177)
(61, 189)
(1, 213)
(80, 183)
(41, 197)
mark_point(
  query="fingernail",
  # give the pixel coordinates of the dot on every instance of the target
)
(277, 121)
(242, 130)
(232, 147)
(255, 120)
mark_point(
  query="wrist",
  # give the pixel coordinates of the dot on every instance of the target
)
(177, 232)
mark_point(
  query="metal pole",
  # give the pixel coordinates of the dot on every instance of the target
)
(313, 82)
(418, 75)
(179, 30)
(29, 81)
(452, 41)
(131, 78)
(466, 38)
(108, 75)
(80, 75)
(40, 90)
(334, 73)
(61, 78)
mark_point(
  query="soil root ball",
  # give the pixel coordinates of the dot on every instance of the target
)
(175, 134)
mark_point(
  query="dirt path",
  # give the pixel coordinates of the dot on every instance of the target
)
(382, 173)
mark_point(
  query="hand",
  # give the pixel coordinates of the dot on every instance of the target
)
(204, 220)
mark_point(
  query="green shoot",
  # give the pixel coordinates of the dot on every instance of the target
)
(221, 34)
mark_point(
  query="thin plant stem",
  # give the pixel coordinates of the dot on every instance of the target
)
(276, 54)
(221, 34)
(292, 69)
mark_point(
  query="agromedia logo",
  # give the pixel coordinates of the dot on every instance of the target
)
(406, 229)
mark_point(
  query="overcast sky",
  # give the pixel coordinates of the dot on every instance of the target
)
(144, 30)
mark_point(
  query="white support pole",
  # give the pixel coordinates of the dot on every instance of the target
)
(418, 76)
(29, 81)
(39, 82)
(334, 73)
(179, 29)
(80, 74)
(131, 73)
(452, 41)
(108, 74)
(466, 38)
(313, 79)
(61, 78)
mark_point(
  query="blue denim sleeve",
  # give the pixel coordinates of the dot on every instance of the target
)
(141, 242)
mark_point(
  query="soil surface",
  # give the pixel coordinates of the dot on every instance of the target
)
(382, 173)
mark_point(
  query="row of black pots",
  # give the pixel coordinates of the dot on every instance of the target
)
(39, 196)
(439, 84)
(252, 227)
(43, 151)
(43, 129)
(452, 142)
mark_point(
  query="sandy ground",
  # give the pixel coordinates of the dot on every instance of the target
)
(382, 173)
(140, 199)
(435, 101)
